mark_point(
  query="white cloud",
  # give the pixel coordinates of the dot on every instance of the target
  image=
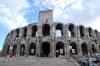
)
(62, 7)
(95, 24)
(11, 14)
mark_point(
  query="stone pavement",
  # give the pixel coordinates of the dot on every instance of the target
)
(37, 61)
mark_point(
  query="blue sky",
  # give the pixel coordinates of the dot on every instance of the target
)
(18, 13)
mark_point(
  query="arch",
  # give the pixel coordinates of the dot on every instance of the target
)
(90, 31)
(71, 30)
(14, 49)
(45, 49)
(34, 30)
(25, 32)
(96, 33)
(73, 49)
(46, 30)
(84, 48)
(22, 50)
(93, 48)
(32, 49)
(59, 29)
(81, 28)
(60, 49)
(17, 32)
(8, 48)
(99, 47)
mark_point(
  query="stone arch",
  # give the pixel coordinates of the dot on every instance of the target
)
(96, 33)
(46, 30)
(73, 49)
(59, 29)
(93, 48)
(45, 49)
(34, 30)
(17, 32)
(81, 28)
(60, 48)
(84, 48)
(32, 49)
(90, 31)
(14, 49)
(22, 49)
(24, 31)
(71, 30)
(99, 47)
(8, 48)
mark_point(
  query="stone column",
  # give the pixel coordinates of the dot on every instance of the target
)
(68, 49)
(79, 49)
(38, 47)
(65, 49)
(18, 49)
(53, 54)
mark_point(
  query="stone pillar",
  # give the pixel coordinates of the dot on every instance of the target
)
(78, 32)
(38, 47)
(68, 49)
(53, 50)
(18, 49)
(65, 49)
(79, 49)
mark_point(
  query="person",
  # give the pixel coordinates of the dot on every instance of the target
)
(9, 57)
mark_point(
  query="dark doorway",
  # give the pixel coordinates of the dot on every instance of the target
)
(60, 49)
(8, 48)
(99, 47)
(25, 32)
(17, 32)
(14, 49)
(46, 30)
(74, 48)
(90, 31)
(45, 49)
(34, 30)
(93, 48)
(81, 28)
(71, 30)
(22, 50)
(84, 49)
(32, 49)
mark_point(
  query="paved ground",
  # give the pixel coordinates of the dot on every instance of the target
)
(34, 61)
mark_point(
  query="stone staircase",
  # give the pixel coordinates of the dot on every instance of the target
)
(38, 61)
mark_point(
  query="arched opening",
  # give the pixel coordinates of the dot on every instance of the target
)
(81, 28)
(14, 49)
(60, 49)
(17, 32)
(84, 48)
(32, 49)
(22, 50)
(71, 30)
(59, 30)
(90, 32)
(25, 32)
(45, 49)
(93, 48)
(96, 33)
(99, 47)
(73, 49)
(8, 48)
(34, 30)
(46, 30)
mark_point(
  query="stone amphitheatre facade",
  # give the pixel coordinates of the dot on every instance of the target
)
(46, 38)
